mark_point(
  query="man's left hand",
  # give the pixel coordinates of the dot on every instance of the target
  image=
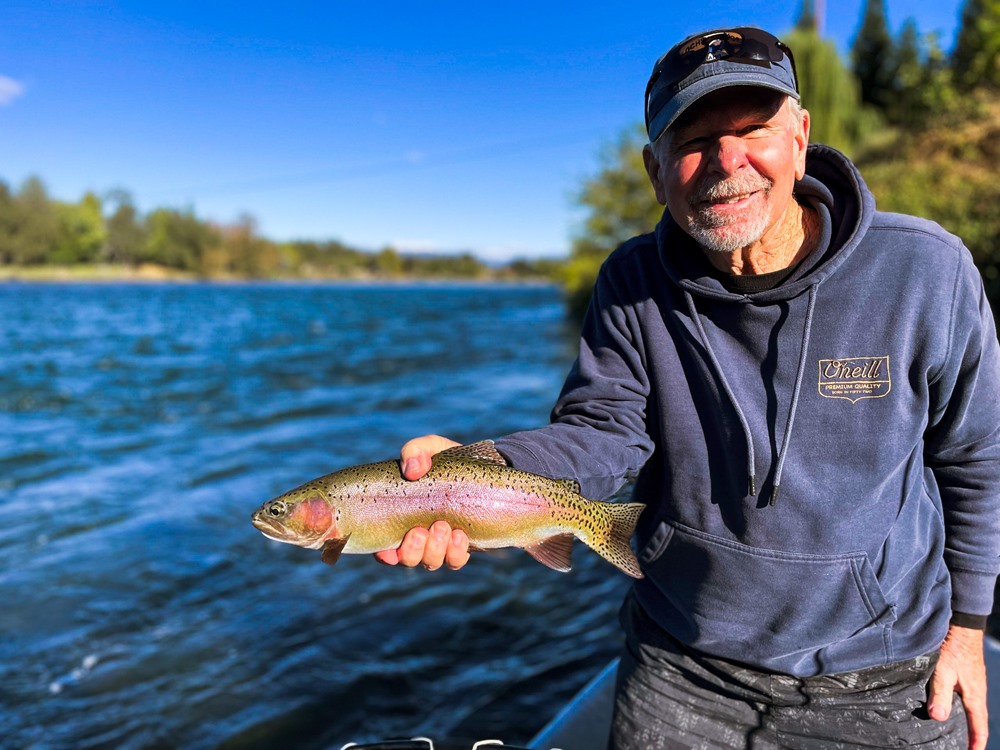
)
(962, 668)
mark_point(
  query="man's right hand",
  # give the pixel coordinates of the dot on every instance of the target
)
(439, 545)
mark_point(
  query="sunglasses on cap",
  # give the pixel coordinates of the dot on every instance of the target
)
(745, 45)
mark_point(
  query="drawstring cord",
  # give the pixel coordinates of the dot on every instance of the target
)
(752, 479)
(806, 334)
(799, 377)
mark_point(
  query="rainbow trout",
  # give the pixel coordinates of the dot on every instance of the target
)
(369, 508)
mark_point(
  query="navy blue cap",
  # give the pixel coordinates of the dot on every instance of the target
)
(710, 61)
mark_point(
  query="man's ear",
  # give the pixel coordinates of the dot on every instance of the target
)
(802, 144)
(653, 170)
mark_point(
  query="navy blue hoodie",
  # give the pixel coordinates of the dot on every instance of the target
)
(820, 461)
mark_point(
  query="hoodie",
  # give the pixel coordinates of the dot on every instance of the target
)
(820, 461)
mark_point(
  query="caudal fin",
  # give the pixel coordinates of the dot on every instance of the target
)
(612, 537)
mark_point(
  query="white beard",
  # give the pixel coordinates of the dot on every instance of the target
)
(728, 233)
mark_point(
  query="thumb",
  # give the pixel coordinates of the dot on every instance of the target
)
(415, 456)
(940, 693)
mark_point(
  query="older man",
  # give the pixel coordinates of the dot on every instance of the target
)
(808, 391)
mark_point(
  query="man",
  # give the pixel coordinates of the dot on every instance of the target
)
(808, 391)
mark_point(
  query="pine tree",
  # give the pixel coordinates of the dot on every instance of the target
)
(976, 60)
(829, 91)
(873, 55)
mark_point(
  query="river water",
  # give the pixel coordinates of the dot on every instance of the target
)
(140, 425)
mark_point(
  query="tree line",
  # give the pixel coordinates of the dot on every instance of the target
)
(922, 125)
(38, 231)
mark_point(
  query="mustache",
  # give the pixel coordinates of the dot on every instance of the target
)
(731, 187)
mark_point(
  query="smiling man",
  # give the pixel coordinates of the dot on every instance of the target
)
(807, 391)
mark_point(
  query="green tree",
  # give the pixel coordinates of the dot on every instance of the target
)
(946, 173)
(177, 239)
(830, 92)
(976, 60)
(32, 225)
(8, 224)
(922, 88)
(242, 251)
(127, 233)
(619, 203)
(873, 55)
(81, 232)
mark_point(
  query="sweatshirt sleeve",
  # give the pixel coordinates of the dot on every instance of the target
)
(963, 446)
(598, 431)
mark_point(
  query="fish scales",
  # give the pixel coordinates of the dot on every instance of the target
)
(370, 507)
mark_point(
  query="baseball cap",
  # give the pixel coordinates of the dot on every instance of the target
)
(711, 60)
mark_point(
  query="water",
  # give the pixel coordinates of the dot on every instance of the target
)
(139, 428)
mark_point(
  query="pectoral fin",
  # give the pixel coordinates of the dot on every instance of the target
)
(332, 549)
(555, 552)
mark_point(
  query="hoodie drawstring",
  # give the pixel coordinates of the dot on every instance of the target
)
(752, 479)
(806, 335)
(799, 376)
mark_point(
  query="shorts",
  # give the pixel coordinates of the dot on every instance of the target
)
(669, 697)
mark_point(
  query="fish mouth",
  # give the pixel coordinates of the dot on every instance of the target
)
(269, 527)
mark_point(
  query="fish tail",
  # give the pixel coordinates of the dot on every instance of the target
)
(611, 538)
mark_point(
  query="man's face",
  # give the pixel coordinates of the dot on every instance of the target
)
(728, 167)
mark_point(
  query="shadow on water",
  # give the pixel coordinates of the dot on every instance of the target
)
(142, 427)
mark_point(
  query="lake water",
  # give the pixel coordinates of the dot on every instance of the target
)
(139, 428)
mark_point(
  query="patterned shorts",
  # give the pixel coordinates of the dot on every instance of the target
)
(669, 698)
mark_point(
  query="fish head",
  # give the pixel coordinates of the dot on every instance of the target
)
(304, 519)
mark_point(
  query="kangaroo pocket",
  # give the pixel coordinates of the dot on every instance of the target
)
(784, 611)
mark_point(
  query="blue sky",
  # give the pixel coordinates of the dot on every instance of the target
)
(439, 126)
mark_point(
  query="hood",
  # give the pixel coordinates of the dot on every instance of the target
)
(832, 185)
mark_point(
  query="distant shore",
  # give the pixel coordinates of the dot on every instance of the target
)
(154, 273)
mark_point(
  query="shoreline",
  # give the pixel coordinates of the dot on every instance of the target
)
(155, 274)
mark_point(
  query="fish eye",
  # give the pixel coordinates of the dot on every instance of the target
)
(277, 509)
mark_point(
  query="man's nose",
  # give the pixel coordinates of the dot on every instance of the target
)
(729, 154)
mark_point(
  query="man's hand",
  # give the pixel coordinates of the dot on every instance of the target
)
(439, 545)
(962, 668)
(415, 457)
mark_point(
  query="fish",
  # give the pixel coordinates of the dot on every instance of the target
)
(369, 508)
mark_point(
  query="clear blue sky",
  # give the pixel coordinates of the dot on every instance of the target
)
(430, 126)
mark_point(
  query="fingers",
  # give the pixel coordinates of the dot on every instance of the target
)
(961, 669)
(458, 550)
(941, 693)
(432, 548)
(979, 724)
(415, 456)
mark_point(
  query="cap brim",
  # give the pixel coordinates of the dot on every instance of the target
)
(694, 91)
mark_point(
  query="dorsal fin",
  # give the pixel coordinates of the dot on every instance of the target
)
(333, 547)
(555, 552)
(484, 450)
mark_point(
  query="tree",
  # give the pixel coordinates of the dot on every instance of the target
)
(81, 232)
(976, 60)
(873, 55)
(830, 92)
(241, 250)
(126, 232)
(32, 225)
(946, 173)
(620, 204)
(178, 239)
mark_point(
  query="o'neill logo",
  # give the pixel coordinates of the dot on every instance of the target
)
(854, 378)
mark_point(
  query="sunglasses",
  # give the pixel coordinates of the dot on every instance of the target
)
(743, 45)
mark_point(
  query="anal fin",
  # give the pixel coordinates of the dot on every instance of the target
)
(333, 547)
(554, 552)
